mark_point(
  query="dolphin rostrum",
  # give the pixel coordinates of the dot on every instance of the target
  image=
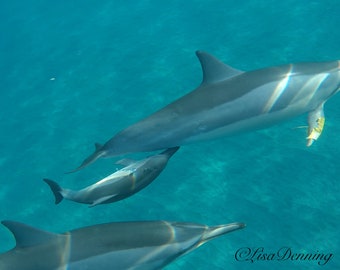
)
(230, 101)
(119, 185)
(138, 245)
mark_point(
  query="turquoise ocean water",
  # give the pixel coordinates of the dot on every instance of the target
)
(76, 72)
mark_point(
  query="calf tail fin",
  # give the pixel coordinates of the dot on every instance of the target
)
(56, 189)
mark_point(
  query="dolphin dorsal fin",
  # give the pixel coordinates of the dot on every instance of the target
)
(214, 70)
(26, 235)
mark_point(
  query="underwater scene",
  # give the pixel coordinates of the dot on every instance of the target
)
(248, 162)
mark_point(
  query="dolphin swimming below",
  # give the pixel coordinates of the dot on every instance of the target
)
(119, 185)
(139, 245)
(231, 101)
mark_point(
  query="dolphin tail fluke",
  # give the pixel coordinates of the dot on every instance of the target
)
(170, 151)
(92, 158)
(56, 189)
(216, 231)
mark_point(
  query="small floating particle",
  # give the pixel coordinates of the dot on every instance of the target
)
(52, 79)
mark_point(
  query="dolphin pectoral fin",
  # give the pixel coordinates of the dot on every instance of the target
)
(125, 162)
(170, 151)
(316, 122)
(102, 200)
(92, 158)
(98, 146)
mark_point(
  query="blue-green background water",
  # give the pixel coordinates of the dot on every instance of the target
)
(115, 62)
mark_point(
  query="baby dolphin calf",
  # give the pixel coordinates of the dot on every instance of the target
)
(119, 185)
(119, 245)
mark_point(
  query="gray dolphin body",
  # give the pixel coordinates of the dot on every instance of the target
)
(145, 245)
(119, 185)
(230, 101)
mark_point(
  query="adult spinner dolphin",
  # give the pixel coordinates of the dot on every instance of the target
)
(229, 101)
(120, 246)
(119, 185)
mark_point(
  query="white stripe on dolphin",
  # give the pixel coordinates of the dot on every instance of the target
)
(120, 245)
(230, 101)
(119, 185)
